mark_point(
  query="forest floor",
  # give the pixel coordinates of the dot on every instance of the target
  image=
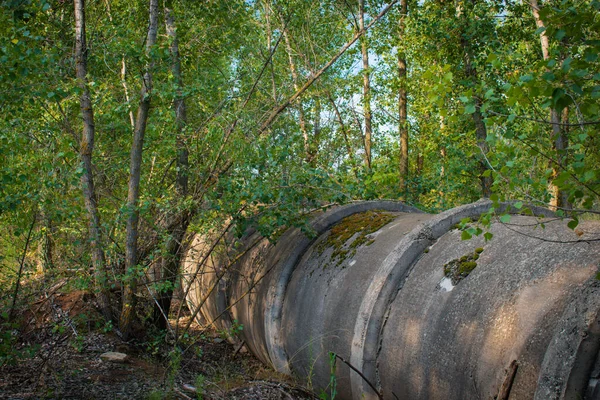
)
(55, 354)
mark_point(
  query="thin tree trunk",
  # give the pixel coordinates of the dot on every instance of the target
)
(126, 90)
(85, 152)
(46, 245)
(535, 10)
(313, 147)
(560, 145)
(300, 107)
(442, 149)
(366, 85)
(269, 30)
(480, 128)
(559, 137)
(481, 135)
(345, 135)
(420, 160)
(131, 249)
(176, 232)
(402, 101)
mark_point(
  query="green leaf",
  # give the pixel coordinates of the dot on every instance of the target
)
(526, 78)
(518, 205)
(560, 34)
(589, 175)
(465, 235)
(573, 224)
(566, 65)
(469, 108)
(505, 219)
(488, 236)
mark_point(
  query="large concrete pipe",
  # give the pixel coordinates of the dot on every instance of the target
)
(419, 312)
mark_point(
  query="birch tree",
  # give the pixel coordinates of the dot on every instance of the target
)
(131, 250)
(178, 220)
(402, 98)
(559, 138)
(85, 152)
(364, 50)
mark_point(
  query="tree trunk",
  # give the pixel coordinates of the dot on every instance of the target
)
(130, 284)
(402, 101)
(313, 147)
(85, 152)
(480, 128)
(269, 32)
(300, 107)
(176, 232)
(46, 245)
(560, 143)
(481, 135)
(559, 137)
(366, 85)
(126, 91)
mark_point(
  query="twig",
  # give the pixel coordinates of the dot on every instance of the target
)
(180, 393)
(353, 368)
(548, 240)
(239, 348)
(161, 310)
(504, 391)
(20, 273)
(543, 121)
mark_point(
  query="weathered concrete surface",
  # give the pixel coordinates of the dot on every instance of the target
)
(371, 288)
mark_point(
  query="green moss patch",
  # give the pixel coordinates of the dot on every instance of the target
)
(351, 233)
(459, 268)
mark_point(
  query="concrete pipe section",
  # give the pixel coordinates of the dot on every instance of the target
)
(420, 313)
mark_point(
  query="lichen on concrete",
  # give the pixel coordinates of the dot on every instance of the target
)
(351, 233)
(459, 268)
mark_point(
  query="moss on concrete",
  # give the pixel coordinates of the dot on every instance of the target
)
(351, 233)
(459, 268)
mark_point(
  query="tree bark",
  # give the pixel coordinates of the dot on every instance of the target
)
(294, 72)
(364, 49)
(131, 249)
(402, 101)
(269, 31)
(85, 153)
(126, 91)
(480, 128)
(313, 147)
(558, 199)
(179, 223)
(46, 245)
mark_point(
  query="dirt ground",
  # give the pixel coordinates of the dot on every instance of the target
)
(66, 342)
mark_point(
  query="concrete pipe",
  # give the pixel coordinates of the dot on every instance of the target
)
(415, 311)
